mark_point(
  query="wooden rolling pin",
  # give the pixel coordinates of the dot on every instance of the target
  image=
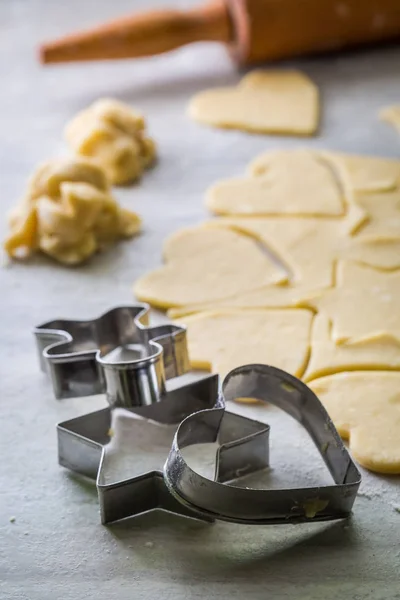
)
(254, 30)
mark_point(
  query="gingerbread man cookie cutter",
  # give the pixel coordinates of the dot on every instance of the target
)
(116, 353)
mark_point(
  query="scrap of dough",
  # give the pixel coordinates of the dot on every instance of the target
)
(356, 173)
(205, 264)
(383, 210)
(364, 304)
(380, 353)
(221, 340)
(263, 102)
(365, 407)
(293, 182)
(68, 213)
(113, 135)
(391, 115)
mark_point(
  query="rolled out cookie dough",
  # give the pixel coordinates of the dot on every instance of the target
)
(221, 340)
(283, 102)
(205, 264)
(293, 182)
(365, 407)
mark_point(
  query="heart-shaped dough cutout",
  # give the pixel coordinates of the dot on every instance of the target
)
(365, 407)
(293, 183)
(263, 102)
(205, 264)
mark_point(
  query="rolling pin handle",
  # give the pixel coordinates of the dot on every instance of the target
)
(154, 32)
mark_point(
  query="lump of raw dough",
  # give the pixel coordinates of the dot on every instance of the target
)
(68, 213)
(365, 407)
(263, 102)
(113, 135)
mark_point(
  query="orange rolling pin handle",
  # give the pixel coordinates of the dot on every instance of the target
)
(146, 34)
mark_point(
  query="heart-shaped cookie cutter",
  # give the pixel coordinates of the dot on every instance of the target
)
(229, 502)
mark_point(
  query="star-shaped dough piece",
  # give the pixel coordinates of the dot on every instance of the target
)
(327, 357)
(363, 305)
(222, 340)
(205, 264)
(365, 407)
(263, 102)
(293, 183)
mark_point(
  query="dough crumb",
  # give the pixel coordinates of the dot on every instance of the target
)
(280, 102)
(113, 135)
(149, 544)
(68, 213)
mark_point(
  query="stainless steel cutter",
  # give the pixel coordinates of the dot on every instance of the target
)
(120, 355)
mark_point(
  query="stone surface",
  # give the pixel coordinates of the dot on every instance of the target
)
(56, 547)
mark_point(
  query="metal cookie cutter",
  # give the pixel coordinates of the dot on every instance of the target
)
(116, 353)
(83, 443)
(229, 502)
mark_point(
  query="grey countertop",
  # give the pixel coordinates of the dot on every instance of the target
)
(56, 547)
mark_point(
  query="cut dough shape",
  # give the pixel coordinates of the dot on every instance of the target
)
(293, 183)
(113, 135)
(380, 353)
(364, 305)
(311, 247)
(221, 340)
(383, 210)
(68, 212)
(204, 265)
(365, 173)
(269, 296)
(357, 173)
(365, 408)
(263, 102)
(391, 115)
